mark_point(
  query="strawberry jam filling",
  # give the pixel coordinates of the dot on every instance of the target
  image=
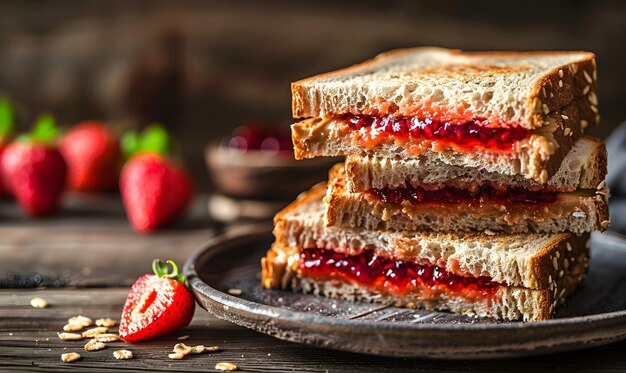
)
(392, 276)
(468, 135)
(447, 194)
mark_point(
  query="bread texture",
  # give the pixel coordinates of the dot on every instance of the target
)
(576, 212)
(525, 260)
(536, 157)
(539, 270)
(584, 167)
(518, 88)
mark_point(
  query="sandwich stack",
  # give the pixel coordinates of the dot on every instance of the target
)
(468, 184)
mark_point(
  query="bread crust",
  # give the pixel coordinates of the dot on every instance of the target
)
(577, 213)
(555, 89)
(584, 167)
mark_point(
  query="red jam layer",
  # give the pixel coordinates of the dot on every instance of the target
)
(468, 134)
(448, 194)
(391, 276)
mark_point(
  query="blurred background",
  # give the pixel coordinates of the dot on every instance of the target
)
(204, 67)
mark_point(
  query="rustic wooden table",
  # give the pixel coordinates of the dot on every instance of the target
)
(83, 262)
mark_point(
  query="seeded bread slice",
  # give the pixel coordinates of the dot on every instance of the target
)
(536, 157)
(584, 167)
(534, 261)
(576, 212)
(503, 87)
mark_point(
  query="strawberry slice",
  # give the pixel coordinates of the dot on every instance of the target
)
(157, 304)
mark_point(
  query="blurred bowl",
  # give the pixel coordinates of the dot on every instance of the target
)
(258, 174)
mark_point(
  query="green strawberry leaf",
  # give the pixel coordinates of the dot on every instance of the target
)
(162, 269)
(45, 130)
(6, 117)
(130, 143)
(153, 139)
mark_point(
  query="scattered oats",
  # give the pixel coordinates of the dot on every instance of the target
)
(235, 291)
(601, 185)
(106, 322)
(106, 337)
(72, 327)
(597, 118)
(551, 94)
(555, 264)
(550, 279)
(176, 356)
(574, 68)
(225, 366)
(182, 348)
(94, 331)
(600, 193)
(586, 89)
(560, 73)
(94, 345)
(561, 293)
(545, 109)
(567, 132)
(39, 303)
(558, 255)
(587, 77)
(605, 224)
(122, 354)
(566, 264)
(595, 74)
(70, 336)
(80, 320)
(568, 246)
(69, 357)
(560, 83)
(594, 108)
(584, 124)
(565, 117)
(578, 214)
(561, 273)
(183, 337)
(197, 349)
(211, 348)
(489, 232)
(588, 243)
(593, 98)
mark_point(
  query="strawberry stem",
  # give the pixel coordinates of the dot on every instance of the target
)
(162, 269)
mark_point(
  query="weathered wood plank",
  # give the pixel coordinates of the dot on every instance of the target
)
(90, 243)
(28, 342)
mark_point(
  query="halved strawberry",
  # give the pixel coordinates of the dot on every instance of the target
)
(157, 304)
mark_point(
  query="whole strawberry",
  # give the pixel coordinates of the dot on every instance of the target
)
(154, 190)
(34, 169)
(6, 129)
(93, 157)
(157, 304)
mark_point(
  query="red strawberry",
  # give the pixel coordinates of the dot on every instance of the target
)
(157, 304)
(34, 169)
(93, 157)
(154, 190)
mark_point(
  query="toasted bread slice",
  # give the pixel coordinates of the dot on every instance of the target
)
(506, 88)
(577, 212)
(584, 167)
(537, 156)
(537, 270)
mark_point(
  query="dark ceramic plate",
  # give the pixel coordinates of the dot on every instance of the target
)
(594, 315)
